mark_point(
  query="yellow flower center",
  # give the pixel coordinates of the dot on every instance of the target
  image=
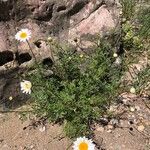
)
(83, 146)
(23, 35)
(28, 86)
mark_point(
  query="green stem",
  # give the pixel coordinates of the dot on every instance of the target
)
(32, 52)
(36, 62)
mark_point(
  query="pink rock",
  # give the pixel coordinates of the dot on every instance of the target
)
(84, 13)
(64, 19)
(98, 22)
(3, 38)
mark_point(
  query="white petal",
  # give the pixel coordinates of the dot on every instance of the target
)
(29, 92)
(23, 91)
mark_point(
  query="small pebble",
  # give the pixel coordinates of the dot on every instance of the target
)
(123, 123)
(117, 135)
(125, 100)
(104, 121)
(141, 128)
(147, 123)
(114, 121)
(112, 108)
(132, 90)
(110, 127)
(32, 147)
(1, 115)
(109, 131)
(137, 108)
(132, 109)
(42, 129)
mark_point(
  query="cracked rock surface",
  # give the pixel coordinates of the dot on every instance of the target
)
(65, 20)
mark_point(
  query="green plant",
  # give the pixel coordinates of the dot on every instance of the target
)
(144, 19)
(131, 39)
(79, 90)
(128, 8)
(142, 83)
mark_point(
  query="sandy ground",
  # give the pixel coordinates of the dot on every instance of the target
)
(14, 136)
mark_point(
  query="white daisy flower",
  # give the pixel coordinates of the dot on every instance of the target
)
(83, 143)
(23, 35)
(132, 90)
(26, 86)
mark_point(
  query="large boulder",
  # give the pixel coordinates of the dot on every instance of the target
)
(64, 19)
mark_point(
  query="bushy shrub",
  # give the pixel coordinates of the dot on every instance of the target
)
(80, 89)
(144, 19)
(142, 82)
(128, 8)
(131, 39)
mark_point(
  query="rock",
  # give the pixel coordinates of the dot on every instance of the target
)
(118, 61)
(109, 130)
(114, 122)
(84, 12)
(124, 123)
(98, 22)
(132, 90)
(65, 19)
(10, 86)
(32, 147)
(125, 101)
(132, 121)
(3, 38)
(42, 128)
(141, 128)
(134, 69)
(110, 127)
(137, 108)
(112, 108)
(127, 98)
(41, 50)
(104, 121)
(1, 115)
(132, 109)
(44, 11)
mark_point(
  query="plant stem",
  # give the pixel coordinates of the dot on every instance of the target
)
(36, 62)
(32, 52)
